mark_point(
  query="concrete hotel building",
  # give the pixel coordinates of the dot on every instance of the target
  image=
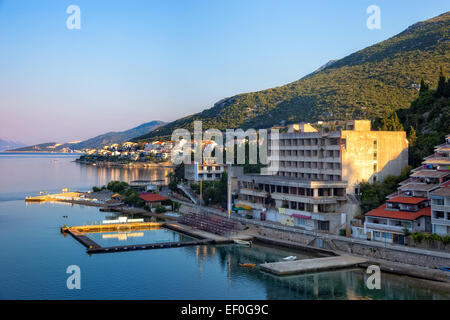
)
(313, 176)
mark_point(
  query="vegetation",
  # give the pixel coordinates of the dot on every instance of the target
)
(374, 194)
(117, 186)
(160, 209)
(176, 177)
(427, 120)
(213, 192)
(419, 237)
(367, 84)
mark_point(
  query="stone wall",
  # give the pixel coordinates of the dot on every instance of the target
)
(369, 249)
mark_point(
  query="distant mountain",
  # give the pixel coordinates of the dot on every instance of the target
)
(8, 144)
(118, 137)
(96, 142)
(366, 84)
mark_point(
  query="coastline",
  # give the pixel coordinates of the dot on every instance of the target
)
(165, 164)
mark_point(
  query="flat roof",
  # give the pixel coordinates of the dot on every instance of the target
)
(443, 192)
(419, 186)
(381, 212)
(430, 173)
(407, 200)
(438, 160)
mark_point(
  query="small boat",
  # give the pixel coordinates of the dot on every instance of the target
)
(445, 269)
(290, 258)
(243, 242)
(247, 265)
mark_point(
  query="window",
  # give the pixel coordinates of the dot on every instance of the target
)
(323, 225)
(376, 234)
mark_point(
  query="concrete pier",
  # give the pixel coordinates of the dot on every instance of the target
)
(311, 265)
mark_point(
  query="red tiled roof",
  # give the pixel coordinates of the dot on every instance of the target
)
(152, 197)
(402, 215)
(446, 184)
(407, 200)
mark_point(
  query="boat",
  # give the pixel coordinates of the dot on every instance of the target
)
(247, 265)
(243, 242)
(290, 258)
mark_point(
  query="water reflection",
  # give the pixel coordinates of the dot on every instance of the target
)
(343, 284)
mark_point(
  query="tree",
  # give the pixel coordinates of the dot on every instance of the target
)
(412, 136)
(442, 83)
(423, 86)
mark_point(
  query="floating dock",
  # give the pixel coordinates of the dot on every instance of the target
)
(311, 265)
(97, 228)
(149, 246)
(78, 232)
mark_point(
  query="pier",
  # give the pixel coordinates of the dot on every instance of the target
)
(312, 265)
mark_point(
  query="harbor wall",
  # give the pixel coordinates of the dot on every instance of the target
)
(369, 249)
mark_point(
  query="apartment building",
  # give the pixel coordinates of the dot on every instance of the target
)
(421, 203)
(440, 210)
(388, 222)
(313, 176)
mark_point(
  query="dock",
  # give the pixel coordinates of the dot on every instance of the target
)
(311, 265)
(149, 246)
(97, 228)
(78, 232)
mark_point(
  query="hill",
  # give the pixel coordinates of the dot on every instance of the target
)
(118, 137)
(95, 142)
(366, 84)
(8, 144)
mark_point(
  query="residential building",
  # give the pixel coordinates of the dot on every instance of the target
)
(314, 176)
(389, 222)
(440, 210)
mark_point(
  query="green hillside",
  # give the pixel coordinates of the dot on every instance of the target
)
(366, 84)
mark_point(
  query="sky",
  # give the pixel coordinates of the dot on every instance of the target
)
(136, 61)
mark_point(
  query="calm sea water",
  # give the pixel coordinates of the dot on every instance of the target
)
(35, 255)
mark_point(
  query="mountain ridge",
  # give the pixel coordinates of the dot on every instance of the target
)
(97, 141)
(365, 84)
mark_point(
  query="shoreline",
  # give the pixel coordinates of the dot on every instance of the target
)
(109, 164)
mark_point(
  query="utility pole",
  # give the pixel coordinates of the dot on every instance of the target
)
(201, 195)
(229, 190)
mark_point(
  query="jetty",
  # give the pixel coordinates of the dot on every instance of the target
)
(312, 265)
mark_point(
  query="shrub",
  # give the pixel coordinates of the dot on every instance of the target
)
(160, 209)
(96, 189)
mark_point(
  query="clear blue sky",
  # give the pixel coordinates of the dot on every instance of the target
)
(137, 61)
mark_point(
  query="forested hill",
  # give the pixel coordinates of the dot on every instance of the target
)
(366, 84)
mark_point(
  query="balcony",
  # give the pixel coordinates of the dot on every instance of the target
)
(386, 227)
(440, 221)
(253, 192)
(304, 199)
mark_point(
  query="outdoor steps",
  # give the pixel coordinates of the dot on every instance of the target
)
(312, 265)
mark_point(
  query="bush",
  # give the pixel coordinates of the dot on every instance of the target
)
(117, 186)
(96, 189)
(160, 209)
